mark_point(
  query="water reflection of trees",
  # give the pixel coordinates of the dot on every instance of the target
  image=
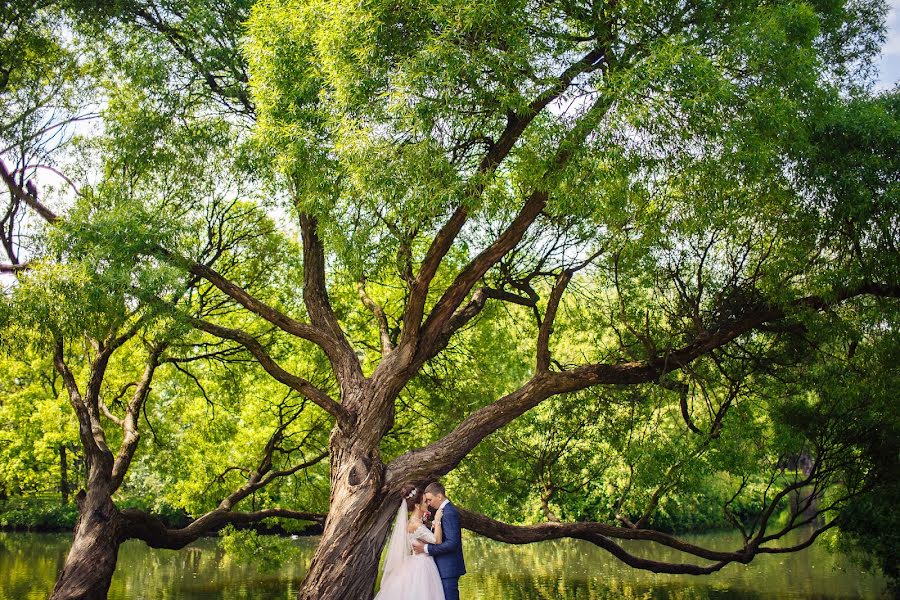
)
(557, 570)
(204, 571)
(28, 574)
(573, 570)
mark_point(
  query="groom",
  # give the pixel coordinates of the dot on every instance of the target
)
(448, 554)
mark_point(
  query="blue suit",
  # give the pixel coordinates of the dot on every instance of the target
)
(448, 555)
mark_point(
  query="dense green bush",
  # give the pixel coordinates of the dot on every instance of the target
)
(37, 514)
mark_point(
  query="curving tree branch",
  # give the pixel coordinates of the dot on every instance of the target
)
(315, 295)
(443, 455)
(387, 344)
(304, 387)
(129, 423)
(517, 123)
(603, 535)
(151, 530)
(29, 199)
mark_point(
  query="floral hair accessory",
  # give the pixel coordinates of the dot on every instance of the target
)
(412, 493)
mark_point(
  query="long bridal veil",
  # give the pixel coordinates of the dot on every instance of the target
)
(408, 577)
(398, 546)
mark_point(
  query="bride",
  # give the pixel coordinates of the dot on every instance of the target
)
(408, 575)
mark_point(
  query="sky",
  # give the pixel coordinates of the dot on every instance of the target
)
(889, 65)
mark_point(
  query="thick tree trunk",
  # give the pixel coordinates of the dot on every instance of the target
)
(345, 564)
(89, 567)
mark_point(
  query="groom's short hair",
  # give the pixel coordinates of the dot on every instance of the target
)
(435, 488)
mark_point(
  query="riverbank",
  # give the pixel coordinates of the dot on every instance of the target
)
(44, 516)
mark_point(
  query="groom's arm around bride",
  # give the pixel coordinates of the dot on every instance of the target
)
(452, 533)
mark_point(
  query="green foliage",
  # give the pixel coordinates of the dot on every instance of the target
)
(35, 422)
(868, 532)
(852, 168)
(40, 74)
(863, 399)
(209, 434)
(37, 514)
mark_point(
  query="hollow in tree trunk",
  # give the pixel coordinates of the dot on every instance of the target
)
(345, 564)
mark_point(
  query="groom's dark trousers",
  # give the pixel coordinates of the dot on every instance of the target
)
(451, 588)
(448, 555)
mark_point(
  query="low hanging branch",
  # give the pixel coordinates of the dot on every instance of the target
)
(682, 389)
(149, 529)
(602, 535)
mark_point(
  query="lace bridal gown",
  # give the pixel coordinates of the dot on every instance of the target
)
(409, 576)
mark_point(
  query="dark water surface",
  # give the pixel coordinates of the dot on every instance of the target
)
(557, 570)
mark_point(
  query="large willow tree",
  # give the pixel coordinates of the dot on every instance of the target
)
(676, 218)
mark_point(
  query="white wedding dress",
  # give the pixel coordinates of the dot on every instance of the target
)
(409, 576)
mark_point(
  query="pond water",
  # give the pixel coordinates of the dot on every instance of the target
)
(556, 570)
